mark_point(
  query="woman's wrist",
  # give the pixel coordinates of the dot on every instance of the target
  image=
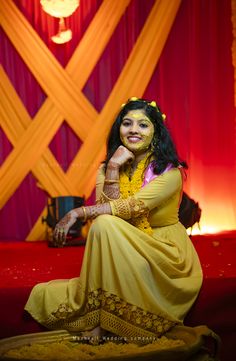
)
(113, 165)
(78, 212)
(88, 212)
(112, 177)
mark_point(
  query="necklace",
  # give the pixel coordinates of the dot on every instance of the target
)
(131, 185)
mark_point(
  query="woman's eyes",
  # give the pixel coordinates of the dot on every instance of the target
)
(142, 125)
(126, 124)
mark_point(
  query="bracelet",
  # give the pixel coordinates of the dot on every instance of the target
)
(85, 214)
(111, 181)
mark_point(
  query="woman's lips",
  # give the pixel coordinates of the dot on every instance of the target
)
(134, 139)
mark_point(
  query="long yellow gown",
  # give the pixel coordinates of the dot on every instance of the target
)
(131, 283)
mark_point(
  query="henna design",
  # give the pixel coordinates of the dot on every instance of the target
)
(112, 191)
(94, 211)
(111, 187)
(62, 228)
(65, 220)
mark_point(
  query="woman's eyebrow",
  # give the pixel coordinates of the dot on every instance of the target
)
(140, 120)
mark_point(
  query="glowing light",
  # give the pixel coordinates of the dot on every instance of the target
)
(207, 229)
(60, 9)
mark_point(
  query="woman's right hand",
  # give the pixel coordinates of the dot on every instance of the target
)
(121, 156)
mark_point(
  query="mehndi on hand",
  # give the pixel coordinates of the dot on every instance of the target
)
(62, 228)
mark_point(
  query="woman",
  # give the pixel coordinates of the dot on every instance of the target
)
(140, 273)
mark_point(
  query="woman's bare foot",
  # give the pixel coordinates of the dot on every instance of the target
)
(95, 335)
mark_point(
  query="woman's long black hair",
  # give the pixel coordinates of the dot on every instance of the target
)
(164, 150)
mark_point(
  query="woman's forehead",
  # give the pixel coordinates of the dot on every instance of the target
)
(136, 114)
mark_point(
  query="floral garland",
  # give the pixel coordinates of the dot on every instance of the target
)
(128, 187)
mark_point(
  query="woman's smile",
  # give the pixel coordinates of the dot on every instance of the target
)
(134, 139)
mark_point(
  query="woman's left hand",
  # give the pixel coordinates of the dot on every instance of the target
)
(62, 228)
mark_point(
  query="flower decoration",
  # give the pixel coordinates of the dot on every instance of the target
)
(163, 116)
(153, 104)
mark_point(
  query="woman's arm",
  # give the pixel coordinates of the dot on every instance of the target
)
(83, 213)
(152, 195)
(111, 187)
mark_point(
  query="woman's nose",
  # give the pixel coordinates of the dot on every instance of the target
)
(134, 129)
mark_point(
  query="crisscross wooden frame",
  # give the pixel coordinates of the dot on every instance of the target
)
(33, 137)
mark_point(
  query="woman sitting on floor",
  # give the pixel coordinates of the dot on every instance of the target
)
(140, 273)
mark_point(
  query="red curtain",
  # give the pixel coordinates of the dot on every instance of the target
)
(193, 83)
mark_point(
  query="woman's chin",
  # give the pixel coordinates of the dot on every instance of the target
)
(138, 148)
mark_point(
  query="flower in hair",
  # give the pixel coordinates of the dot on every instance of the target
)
(133, 99)
(153, 104)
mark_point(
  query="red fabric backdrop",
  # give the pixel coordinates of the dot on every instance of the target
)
(193, 83)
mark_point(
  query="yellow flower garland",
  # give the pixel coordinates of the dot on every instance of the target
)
(128, 187)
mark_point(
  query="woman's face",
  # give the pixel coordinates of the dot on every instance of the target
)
(136, 131)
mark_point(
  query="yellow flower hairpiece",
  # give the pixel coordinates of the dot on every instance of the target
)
(132, 99)
(153, 104)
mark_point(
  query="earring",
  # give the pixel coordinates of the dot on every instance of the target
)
(154, 144)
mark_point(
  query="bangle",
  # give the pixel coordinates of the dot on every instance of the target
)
(85, 214)
(110, 181)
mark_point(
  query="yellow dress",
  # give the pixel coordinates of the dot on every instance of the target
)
(131, 283)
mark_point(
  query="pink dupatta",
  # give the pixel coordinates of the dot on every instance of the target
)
(149, 175)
